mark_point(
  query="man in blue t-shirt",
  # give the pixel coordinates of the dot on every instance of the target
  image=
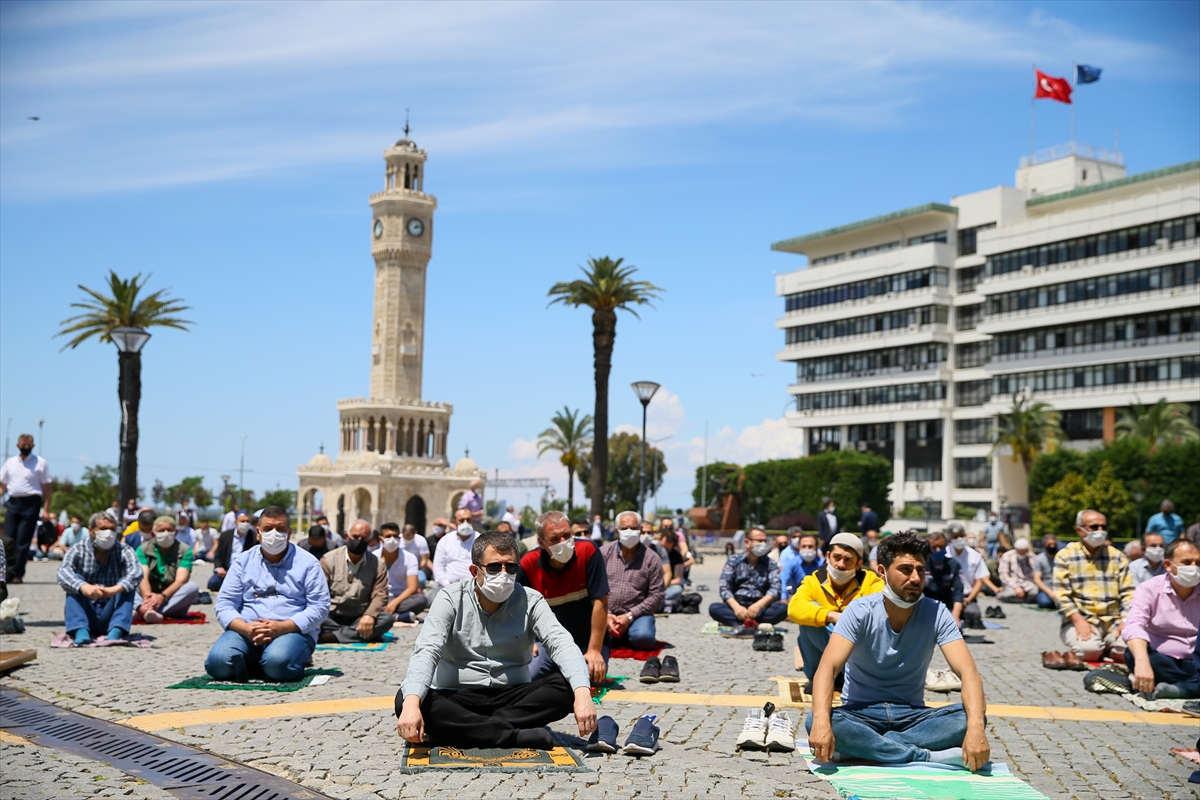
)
(1166, 522)
(885, 643)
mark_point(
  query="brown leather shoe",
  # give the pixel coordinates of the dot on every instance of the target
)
(1072, 661)
(1052, 660)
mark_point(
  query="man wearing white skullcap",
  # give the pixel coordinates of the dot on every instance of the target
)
(1020, 580)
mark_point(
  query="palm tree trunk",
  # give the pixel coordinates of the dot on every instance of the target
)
(604, 333)
(129, 391)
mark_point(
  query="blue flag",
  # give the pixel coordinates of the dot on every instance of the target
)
(1086, 74)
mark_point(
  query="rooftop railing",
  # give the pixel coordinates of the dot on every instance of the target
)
(1074, 148)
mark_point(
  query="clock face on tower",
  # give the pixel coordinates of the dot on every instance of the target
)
(415, 227)
(378, 229)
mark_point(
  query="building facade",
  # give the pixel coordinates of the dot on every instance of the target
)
(391, 463)
(912, 330)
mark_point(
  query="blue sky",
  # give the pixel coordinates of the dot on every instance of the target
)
(230, 149)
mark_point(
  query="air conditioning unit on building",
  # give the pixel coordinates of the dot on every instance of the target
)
(862, 447)
(1027, 269)
(1162, 244)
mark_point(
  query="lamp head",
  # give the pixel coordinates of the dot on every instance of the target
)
(644, 390)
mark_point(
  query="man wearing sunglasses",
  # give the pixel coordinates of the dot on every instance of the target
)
(468, 682)
(1094, 591)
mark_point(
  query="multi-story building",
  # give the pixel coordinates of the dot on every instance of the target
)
(912, 330)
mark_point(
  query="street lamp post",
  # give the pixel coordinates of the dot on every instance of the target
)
(645, 391)
(1139, 497)
(758, 511)
(129, 342)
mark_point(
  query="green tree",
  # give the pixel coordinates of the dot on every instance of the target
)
(1055, 511)
(95, 492)
(202, 497)
(187, 489)
(284, 498)
(606, 288)
(122, 308)
(722, 477)
(624, 472)
(569, 435)
(1158, 424)
(1030, 428)
(158, 492)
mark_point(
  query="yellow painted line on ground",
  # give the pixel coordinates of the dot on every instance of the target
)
(12, 738)
(217, 716)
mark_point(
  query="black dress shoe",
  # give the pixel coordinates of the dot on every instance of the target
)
(652, 672)
(670, 670)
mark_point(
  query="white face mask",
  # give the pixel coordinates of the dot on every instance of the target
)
(562, 552)
(808, 555)
(761, 549)
(1187, 576)
(391, 544)
(1155, 554)
(646, 539)
(629, 537)
(1096, 538)
(465, 530)
(958, 544)
(839, 575)
(274, 542)
(437, 530)
(75, 527)
(498, 587)
(243, 528)
(105, 539)
(164, 539)
(896, 599)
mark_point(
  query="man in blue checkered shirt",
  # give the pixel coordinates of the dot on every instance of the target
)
(751, 591)
(100, 575)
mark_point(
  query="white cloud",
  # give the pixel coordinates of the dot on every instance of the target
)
(523, 450)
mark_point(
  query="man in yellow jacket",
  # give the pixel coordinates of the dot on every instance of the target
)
(824, 595)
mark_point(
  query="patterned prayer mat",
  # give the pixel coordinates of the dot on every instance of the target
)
(423, 757)
(639, 655)
(192, 618)
(926, 782)
(371, 647)
(1190, 755)
(609, 683)
(312, 677)
(1171, 705)
(131, 640)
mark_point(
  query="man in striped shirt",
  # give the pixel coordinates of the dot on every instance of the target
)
(100, 576)
(1094, 591)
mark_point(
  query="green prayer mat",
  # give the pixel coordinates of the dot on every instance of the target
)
(922, 782)
(368, 646)
(609, 683)
(314, 677)
(423, 757)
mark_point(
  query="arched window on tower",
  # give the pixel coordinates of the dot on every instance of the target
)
(417, 178)
(407, 177)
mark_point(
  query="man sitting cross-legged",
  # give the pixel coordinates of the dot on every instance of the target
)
(1094, 590)
(468, 681)
(635, 586)
(824, 595)
(1021, 580)
(885, 643)
(1160, 630)
(165, 590)
(358, 591)
(404, 596)
(750, 586)
(271, 606)
(100, 576)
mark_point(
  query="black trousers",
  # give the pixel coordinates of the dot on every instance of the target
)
(21, 523)
(1179, 671)
(492, 717)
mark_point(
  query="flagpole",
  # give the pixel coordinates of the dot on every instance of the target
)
(1032, 105)
(1074, 74)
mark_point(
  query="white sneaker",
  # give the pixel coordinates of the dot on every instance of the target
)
(754, 731)
(950, 681)
(780, 733)
(10, 608)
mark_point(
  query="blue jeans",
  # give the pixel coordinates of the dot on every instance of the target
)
(234, 658)
(893, 733)
(1044, 600)
(98, 617)
(812, 641)
(992, 548)
(542, 665)
(642, 635)
(722, 613)
(673, 594)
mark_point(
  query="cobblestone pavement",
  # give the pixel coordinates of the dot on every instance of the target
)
(353, 755)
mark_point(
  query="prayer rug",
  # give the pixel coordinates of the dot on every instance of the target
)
(131, 640)
(14, 658)
(312, 677)
(370, 647)
(434, 758)
(994, 626)
(192, 618)
(1172, 706)
(712, 626)
(609, 683)
(1189, 755)
(639, 655)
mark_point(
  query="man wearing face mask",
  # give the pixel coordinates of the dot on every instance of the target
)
(750, 586)
(1044, 564)
(635, 584)
(1151, 564)
(943, 577)
(26, 480)
(452, 561)
(991, 534)
(404, 577)
(570, 574)
(231, 545)
(164, 590)
(469, 682)
(1161, 627)
(1094, 591)
(141, 529)
(800, 560)
(271, 606)
(100, 576)
(72, 535)
(973, 571)
(472, 501)
(358, 591)
(885, 643)
(827, 524)
(1166, 522)
(1020, 581)
(824, 595)
(317, 542)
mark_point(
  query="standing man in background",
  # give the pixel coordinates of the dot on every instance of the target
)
(1165, 522)
(25, 478)
(827, 524)
(869, 521)
(472, 500)
(229, 521)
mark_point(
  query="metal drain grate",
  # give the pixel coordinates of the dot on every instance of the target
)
(183, 771)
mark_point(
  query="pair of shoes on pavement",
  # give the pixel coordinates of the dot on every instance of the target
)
(942, 680)
(995, 612)
(767, 729)
(767, 639)
(642, 740)
(666, 671)
(1064, 660)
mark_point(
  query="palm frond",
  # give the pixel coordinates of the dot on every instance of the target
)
(122, 309)
(608, 286)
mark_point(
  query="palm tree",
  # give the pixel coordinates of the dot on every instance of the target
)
(607, 288)
(571, 436)
(1030, 429)
(102, 316)
(1158, 424)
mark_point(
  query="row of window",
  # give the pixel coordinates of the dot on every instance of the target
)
(1052, 380)
(876, 248)
(919, 356)
(972, 473)
(873, 396)
(829, 259)
(872, 323)
(968, 238)
(1142, 280)
(966, 318)
(973, 431)
(973, 354)
(1100, 244)
(1121, 329)
(940, 236)
(969, 278)
(872, 287)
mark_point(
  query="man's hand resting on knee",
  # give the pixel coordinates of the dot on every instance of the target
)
(585, 712)
(411, 725)
(821, 740)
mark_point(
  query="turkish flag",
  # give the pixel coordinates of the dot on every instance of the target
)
(1052, 88)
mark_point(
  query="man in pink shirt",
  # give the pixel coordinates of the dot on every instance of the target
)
(1161, 627)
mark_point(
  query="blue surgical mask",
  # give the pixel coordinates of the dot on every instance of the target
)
(939, 556)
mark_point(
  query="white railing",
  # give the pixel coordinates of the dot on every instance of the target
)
(869, 409)
(1073, 148)
(870, 373)
(931, 327)
(1166, 383)
(1098, 302)
(988, 281)
(866, 301)
(1097, 347)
